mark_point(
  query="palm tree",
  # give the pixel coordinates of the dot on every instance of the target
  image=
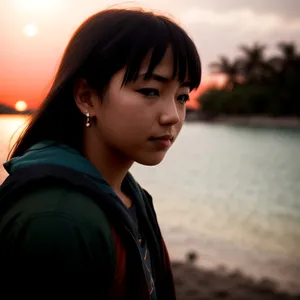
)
(230, 69)
(289, 57)
(288, 76)
(289, 51)
(254, 65)
(262, 85)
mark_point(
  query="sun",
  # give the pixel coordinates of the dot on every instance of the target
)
(21, 105)
(30, 30)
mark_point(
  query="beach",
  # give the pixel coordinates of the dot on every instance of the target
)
(194, 283)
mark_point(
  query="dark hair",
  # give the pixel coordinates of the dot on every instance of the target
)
(104, 44)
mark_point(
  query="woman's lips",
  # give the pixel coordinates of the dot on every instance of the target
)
(163, 141)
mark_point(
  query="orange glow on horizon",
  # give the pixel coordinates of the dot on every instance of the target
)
(33, 41)
(194, 95)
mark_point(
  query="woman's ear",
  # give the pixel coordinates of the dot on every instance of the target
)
(85, 97)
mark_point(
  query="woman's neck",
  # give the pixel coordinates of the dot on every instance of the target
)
(112, 165)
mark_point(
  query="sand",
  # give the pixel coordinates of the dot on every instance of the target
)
(194, 283)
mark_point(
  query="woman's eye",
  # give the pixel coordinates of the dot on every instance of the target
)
(183, 98)
(149, 92)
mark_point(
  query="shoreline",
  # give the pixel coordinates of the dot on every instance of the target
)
(261, 121)
(193, 282)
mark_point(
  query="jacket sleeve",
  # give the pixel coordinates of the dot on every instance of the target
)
(54, 253)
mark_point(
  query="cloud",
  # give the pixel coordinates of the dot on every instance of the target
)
(285, 9)
(241, 19)
(218, 33)
(218, 27)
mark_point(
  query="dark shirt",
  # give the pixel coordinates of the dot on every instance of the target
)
(144, 253)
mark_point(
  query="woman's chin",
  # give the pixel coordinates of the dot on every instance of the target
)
(152, 159)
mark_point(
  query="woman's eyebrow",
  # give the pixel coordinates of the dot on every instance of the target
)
(154, 76)
(162, 79)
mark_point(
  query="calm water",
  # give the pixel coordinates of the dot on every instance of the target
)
(230, 193)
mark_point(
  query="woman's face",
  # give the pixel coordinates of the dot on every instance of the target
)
(142, 119)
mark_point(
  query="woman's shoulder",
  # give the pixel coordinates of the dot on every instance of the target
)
(53, 230)
(57, 203)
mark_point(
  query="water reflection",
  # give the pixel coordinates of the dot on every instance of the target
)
(11, 127)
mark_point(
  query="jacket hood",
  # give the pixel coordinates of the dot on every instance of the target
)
(52, 153)
(49, 152)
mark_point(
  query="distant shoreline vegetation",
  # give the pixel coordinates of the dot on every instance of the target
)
(8, 110)
(255, 85)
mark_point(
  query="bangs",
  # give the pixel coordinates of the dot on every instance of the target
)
(154, 37)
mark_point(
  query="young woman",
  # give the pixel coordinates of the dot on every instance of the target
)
(72, 217)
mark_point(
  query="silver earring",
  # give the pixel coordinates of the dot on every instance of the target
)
(87, 114)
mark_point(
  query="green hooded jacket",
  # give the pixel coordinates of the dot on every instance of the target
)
(66, 241)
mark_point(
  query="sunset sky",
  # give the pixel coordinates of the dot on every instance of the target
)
(34, 33)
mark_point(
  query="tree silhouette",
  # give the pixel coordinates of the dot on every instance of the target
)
(230, 69)
(257, 84)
